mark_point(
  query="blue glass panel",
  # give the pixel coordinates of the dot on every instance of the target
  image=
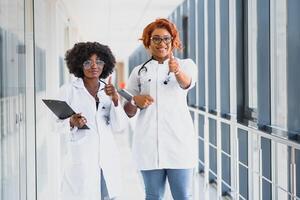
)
(266, 190)
(243, 182)
(212, 132)
(213, 159)
(201, 150)
(266, 158)
(225, 134)
(211, 56)
(243, 146)
(201, 126)
(226, 176)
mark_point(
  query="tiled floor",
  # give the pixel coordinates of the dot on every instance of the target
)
(133, 185)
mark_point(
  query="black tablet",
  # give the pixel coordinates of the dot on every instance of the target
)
(61, 109)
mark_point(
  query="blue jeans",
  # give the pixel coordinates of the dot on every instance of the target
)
(180, 181)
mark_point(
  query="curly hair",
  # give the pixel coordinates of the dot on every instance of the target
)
(82, 51)
(165, 24)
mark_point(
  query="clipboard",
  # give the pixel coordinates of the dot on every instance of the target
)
(61, 109)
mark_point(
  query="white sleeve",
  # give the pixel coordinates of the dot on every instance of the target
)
(134, 82)
(119, 120)
(189, 67)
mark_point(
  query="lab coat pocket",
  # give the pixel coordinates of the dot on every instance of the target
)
(75, 180)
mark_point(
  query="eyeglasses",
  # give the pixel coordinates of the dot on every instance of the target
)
(88, 64)
(158, 40)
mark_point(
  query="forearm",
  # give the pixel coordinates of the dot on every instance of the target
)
(183, 79)
(130, 109)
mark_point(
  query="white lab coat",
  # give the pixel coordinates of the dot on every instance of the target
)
(164, 135)
(89, 151)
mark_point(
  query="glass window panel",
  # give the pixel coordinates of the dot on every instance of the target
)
(211, 56)
(213, 159)
(263, 61)
(225, 134)
(224, 53)
(243, 146)
(293, 60)
(241, 54)
(179, 27)
(201, 142)
(201, 150)
(201, 54)
(297, 159)
(201, 168)
(266, 158)
(12, 82)
(212, 132)
(226, 169)
(266, 190)
(201, 126)
(1, 61)
(185, 35)
(189, 51)
(243, 181)
(192, 30)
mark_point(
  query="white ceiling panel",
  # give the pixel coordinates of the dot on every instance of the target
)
(117, 23)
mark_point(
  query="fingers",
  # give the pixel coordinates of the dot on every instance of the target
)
(111, 91)
(173, 64)
(109, 88)
(149, 98)
(143, 101)
(82, 122)
(109, 80)
(78, 120)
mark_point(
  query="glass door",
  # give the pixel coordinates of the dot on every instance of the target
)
(12, 101)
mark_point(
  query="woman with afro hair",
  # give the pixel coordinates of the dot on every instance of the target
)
(92, 168)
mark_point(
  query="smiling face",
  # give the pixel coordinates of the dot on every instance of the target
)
(161, 44)
(92, 68)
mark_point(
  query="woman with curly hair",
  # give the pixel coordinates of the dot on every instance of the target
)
(92, 154)
(165, 142)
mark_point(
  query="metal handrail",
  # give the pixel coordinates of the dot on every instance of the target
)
(269, 132)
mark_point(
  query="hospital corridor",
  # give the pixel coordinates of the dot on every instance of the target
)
(211, 110)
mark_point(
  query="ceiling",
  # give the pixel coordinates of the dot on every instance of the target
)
(117, 23)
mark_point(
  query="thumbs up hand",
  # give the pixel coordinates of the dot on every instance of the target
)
(111, 91)
(173, 64)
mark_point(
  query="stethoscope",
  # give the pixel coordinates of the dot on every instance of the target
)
(144, 68)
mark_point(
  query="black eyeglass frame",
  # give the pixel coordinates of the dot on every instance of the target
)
(165, 39)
